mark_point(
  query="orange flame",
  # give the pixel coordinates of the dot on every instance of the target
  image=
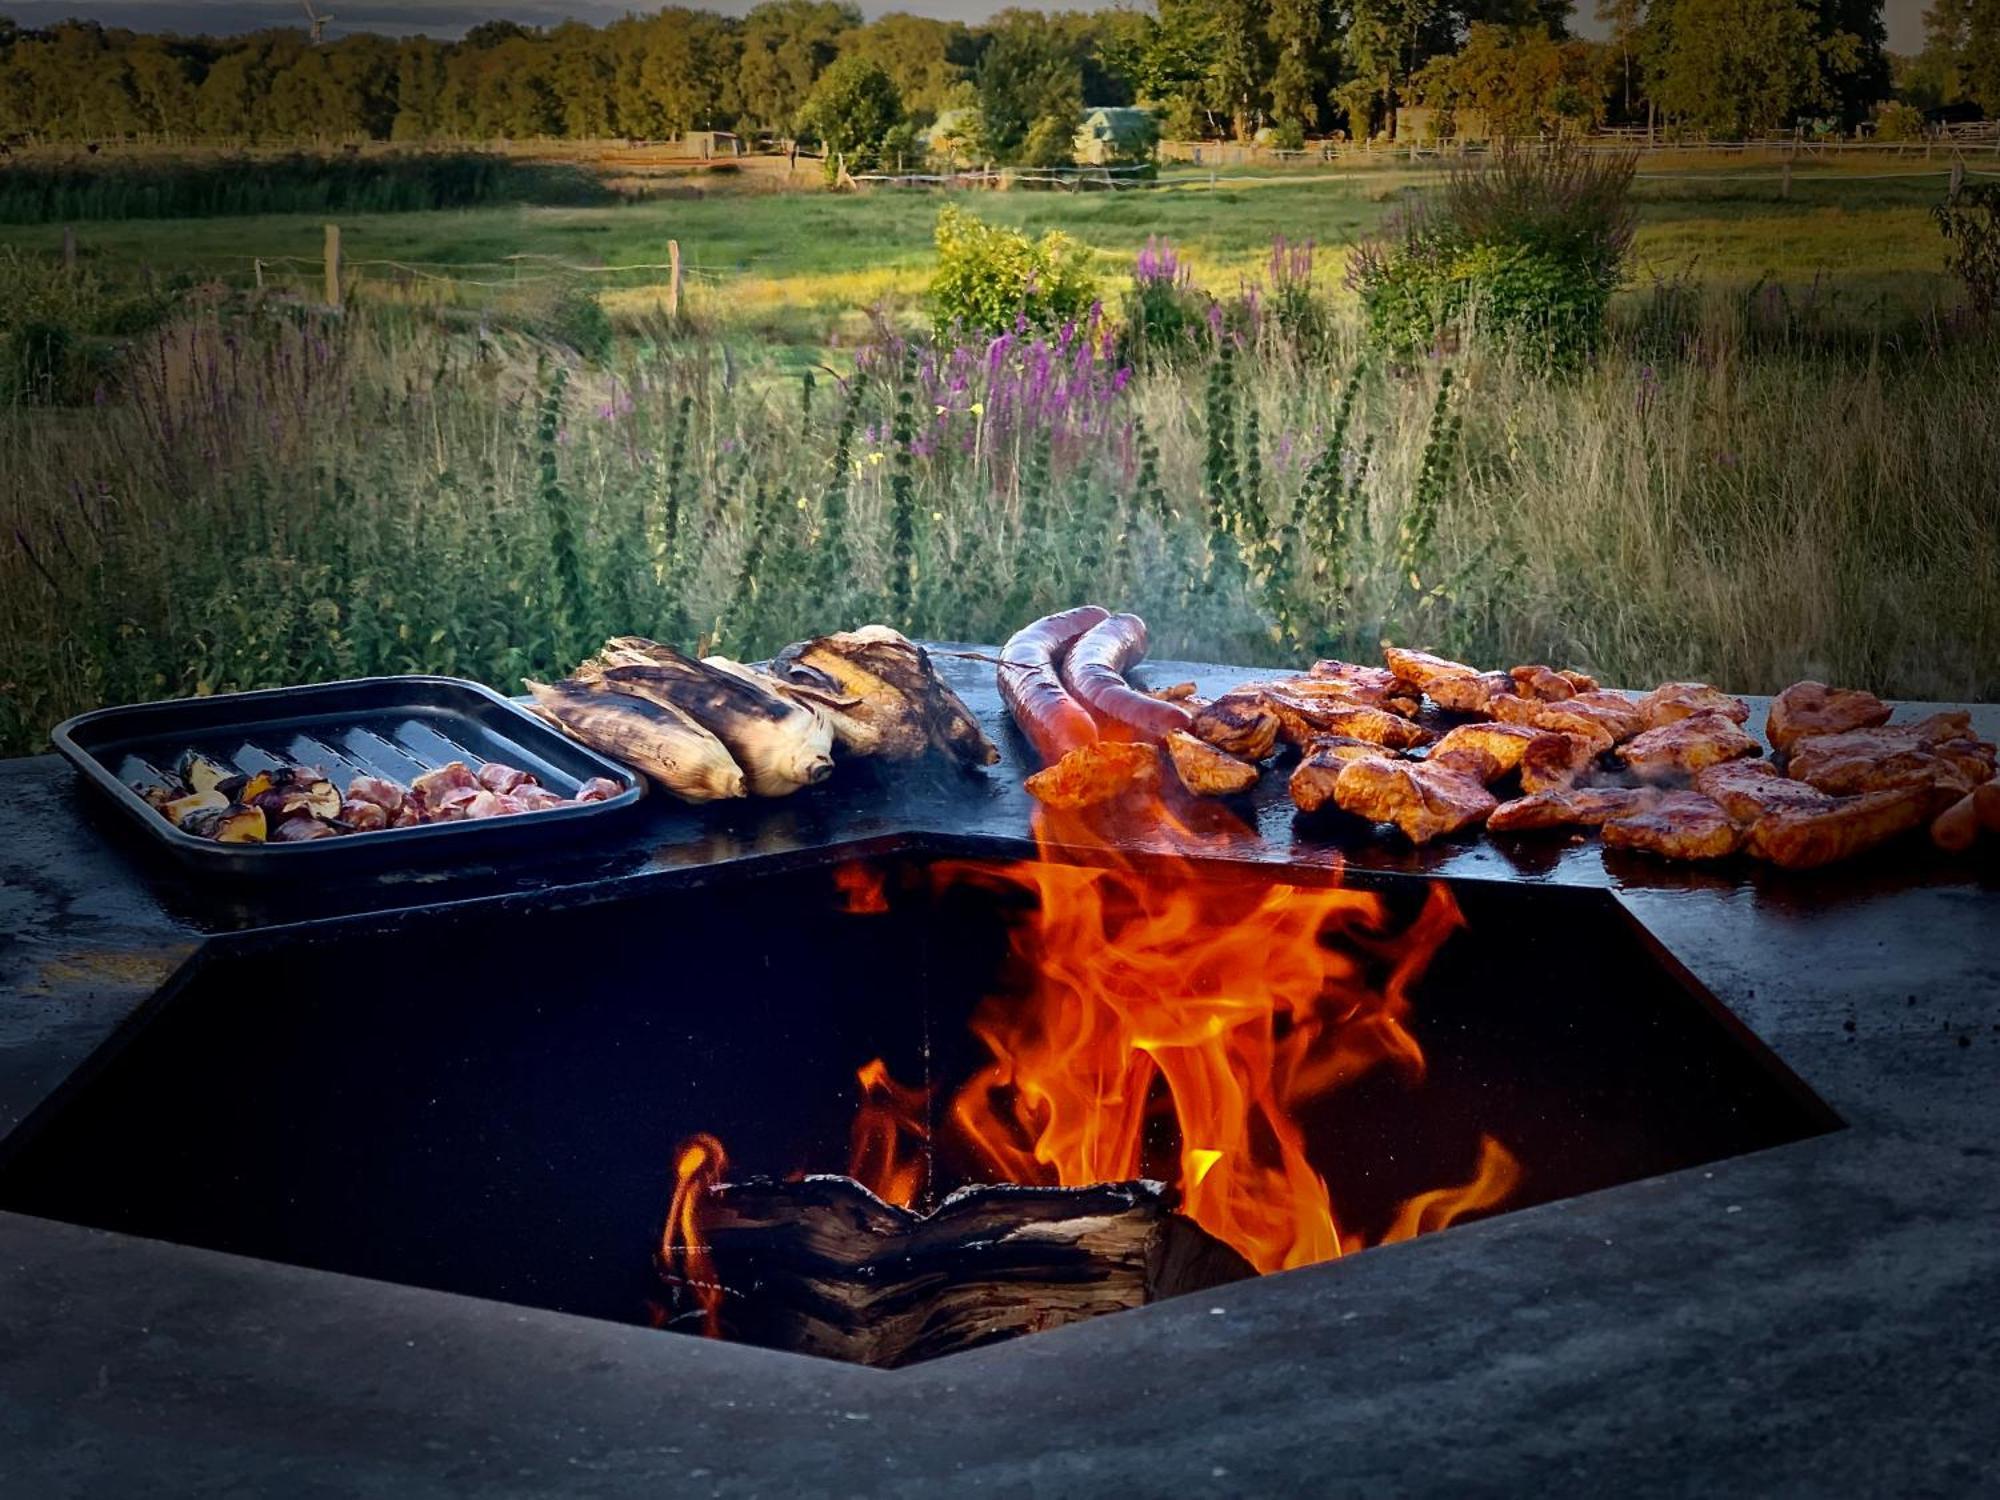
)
(861, 890)
(1498, 1175)
(891, 1131)
(1225, 1004)
(698, 1166)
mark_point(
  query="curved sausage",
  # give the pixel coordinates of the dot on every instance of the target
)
(1054, 722)
(1095, 671)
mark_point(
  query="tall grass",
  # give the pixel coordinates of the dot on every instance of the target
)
(274, 497)
(40, 190)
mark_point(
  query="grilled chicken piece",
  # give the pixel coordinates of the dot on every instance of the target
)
(1804, 838)
(1571, 807)
(1678, 749)
(1748, 789)
(1680, 825)
(1671, 701)
(1319, 768)
(379, 790)
(1207, 771)
(1481, 764)
(1378, 687)
(1451, 685)
(1423, 670)
(1177, 692)
(1424, 801)
(654, 738)
(1549, 686)
(1939, 751)
(363, 817)
(1555, 760)
(1506, 743)
(1239, 723)
(884, 696)
(1094, 774)
(1306, 709)
(1806, 709)
(1605, 719)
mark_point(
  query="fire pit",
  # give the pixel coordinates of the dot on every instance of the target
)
(504, 1108)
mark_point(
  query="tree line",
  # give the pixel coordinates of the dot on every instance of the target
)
(1015, 85)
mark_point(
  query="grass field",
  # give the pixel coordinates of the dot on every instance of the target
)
(801, 268)
(1745, 488)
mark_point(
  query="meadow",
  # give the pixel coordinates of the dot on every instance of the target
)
(1778, 466)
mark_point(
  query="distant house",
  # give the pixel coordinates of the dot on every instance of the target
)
(1115, 133)
(708, 144)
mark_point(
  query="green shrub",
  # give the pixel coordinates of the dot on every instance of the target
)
(1897, 121)
(989, 278)
(1524, 251)
(577, 320)
(1289, 135)
(1970, 221)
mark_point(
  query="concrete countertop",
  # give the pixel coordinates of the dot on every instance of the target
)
(1819, 1318)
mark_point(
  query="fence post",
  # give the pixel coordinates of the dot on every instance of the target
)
(333, 266)
(673, 279)
(69, 248)
(1957, 174)
(257, 265)
(1785, 191)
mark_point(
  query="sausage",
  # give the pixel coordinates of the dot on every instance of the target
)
(1095, 672)
(1054, 722)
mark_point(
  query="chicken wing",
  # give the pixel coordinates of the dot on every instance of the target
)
(1681, 747)
(1671, 701)
(1319, 768)
(1681, 825)
(1804, 838)
(1424, 801)
(1812, 708)
(1575, 807)
(1555, 759)
(1207, 771)
(1748, 789)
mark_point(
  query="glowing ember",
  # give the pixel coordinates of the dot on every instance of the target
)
(887, 1156)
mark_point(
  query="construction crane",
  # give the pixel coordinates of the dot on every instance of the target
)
(318, 22)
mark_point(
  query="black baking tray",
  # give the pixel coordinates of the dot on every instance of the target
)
(397, 727)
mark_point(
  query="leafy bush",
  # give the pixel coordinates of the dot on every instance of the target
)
(1970, 221)
(1289, 135)
(996, 279)
(1526, 249)
(1050, 142)
(1897, 121)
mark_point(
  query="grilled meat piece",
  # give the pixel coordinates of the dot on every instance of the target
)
(1305, 715)
(1424, 801)
(363, 817)
(1748, 789)
(1681, 747)
(1378, 687)
(1680, 825)
(1804, 838)
(430, 790)
(1571, 807)
(1605, 718)
(1240, 723)
(1549, 686)
(300, 830)
(379, 790)
(1207, 771)
(1451, 685)
(1319, 768)
(1094, 774)
(883, 695)
(654, 738)
(598, 789)
(1806, 709)
(1671, 701)
(1939, 751)
(1506, 743)
(496, 776)
(1555, 759)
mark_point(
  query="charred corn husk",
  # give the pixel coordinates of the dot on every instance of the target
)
(780, 743)
(882, 695)
(657, 739)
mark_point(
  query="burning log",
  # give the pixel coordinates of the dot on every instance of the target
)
(823, 1266)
